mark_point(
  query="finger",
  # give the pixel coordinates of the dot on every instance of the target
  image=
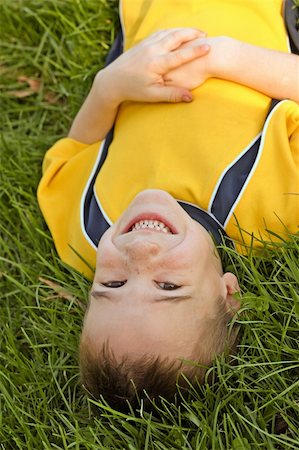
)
(177, 58)
(162, 34)
(174, 38)
(170, 94)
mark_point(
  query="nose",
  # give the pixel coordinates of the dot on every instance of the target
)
(141, 249)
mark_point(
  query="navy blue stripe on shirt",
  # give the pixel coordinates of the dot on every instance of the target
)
(234, 179)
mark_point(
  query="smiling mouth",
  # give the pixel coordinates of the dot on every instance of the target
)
(150, 222)
(154, 225)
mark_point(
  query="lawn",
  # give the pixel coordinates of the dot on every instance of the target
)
(50, 51)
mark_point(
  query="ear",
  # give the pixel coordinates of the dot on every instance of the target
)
(232, 287)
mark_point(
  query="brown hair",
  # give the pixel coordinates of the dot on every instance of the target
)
(120, 382)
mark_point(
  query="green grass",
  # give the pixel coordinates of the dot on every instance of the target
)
(254, 404)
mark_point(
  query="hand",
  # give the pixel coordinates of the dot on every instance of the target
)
(139, 74)
(195, 72)
(273, 73)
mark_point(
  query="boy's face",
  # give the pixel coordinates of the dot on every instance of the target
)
(154, 291)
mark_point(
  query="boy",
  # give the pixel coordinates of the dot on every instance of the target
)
(178, 173)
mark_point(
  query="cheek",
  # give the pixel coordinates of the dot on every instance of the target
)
(107, 255)
(185, 257)
(107, 261)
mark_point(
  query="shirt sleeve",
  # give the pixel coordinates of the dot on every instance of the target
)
(61, 152)
(66, 169)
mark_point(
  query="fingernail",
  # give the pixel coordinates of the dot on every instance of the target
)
(187, 98)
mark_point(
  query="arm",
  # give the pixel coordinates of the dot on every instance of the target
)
(137, 75)
(271, 72)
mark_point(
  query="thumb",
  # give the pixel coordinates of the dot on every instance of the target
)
(171, 94)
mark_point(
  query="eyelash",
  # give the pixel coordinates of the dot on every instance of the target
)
(166, 286)
(111, 284)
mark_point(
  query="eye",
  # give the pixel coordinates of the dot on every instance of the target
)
(114, 284)
(166, 286)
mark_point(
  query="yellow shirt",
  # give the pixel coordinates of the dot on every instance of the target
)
(186, 149)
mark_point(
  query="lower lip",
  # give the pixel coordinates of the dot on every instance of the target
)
(150, 216)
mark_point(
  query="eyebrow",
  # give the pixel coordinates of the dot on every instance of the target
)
(100, 294)
(173, 298)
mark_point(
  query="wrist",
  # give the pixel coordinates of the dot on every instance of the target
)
(224, 55)
(105, 88)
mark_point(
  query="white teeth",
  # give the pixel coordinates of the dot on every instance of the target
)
(152, 224)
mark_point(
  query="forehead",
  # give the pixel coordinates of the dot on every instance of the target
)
(164, 330)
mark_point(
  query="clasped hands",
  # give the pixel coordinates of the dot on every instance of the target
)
(164, 67)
